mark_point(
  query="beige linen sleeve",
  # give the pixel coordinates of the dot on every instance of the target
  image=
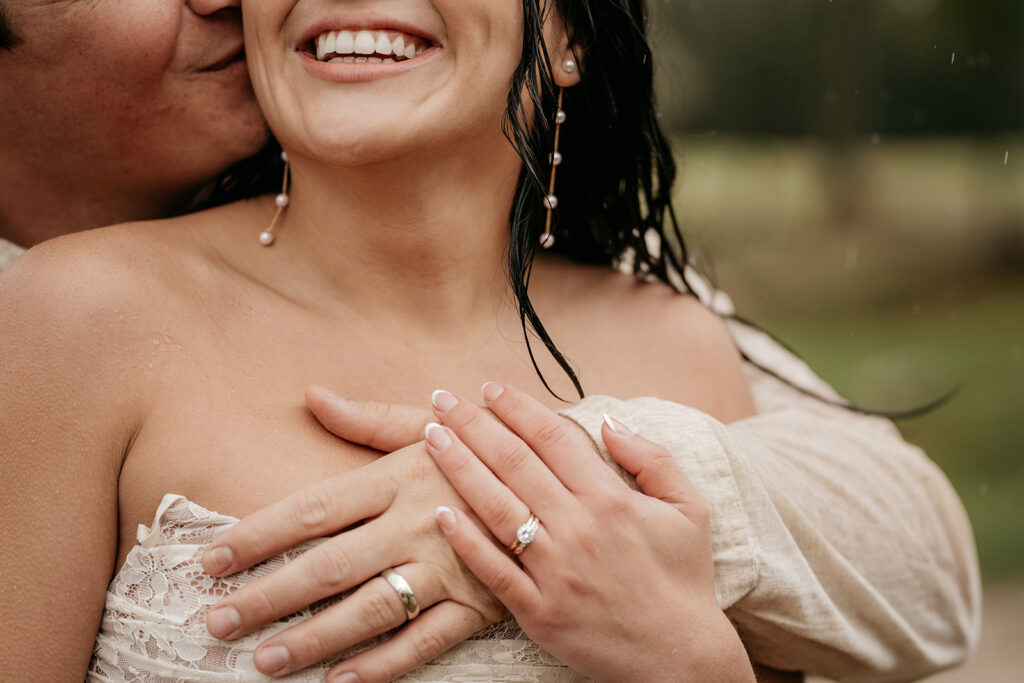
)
(840, 550)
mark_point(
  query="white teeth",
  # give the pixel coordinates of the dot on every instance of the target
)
(385, 47)
(361, 60)
(348, 60)
(346, 44)
(336, 59)
(365, 44)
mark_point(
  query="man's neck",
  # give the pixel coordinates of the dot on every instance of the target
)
(34, 211)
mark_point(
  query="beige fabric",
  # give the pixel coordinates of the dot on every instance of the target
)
(154, 621)
(839, 549)
(8, 252)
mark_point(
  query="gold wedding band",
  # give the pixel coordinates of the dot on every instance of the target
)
(404, 590)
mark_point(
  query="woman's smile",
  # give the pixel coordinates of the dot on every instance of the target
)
(360, 48)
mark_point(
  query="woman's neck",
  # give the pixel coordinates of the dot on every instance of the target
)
(423, 241)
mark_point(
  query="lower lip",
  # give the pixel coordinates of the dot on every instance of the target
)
(234, 69)
(349, 72)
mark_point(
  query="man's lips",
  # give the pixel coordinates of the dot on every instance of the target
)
(236, 54)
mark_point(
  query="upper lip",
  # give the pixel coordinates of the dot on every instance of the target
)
(236, 51)
(362, 22)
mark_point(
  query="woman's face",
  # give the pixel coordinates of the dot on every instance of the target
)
(362, 81)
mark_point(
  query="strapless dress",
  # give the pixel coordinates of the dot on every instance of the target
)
(154, 623)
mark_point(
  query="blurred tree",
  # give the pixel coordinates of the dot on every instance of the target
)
(841, 68)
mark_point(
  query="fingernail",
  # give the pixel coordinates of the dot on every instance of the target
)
(443, 400)
(272, 659)
(491, 391)
(437, 436)
(347, 677)
(223, 621)
(218, 560)
(616, 426)
(446, 518)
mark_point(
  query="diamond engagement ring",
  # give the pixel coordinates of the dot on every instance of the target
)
(525, 535)
(405, 594)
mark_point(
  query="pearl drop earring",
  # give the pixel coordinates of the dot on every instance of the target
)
(547, 240)
(569, 65)
(282, 201)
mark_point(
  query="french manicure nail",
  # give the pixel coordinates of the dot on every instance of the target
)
(223, 621)
(437, 436)
(491, 391)
(446, 518)
(272, 659)
(347, 677)
(443, 400)
(616, 426)
(218, 560)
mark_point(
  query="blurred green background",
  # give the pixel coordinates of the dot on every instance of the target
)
(852, 172)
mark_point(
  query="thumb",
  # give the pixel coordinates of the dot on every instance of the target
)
(657, 474)
(385, 427)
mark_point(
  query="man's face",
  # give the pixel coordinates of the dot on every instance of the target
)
(149, 94)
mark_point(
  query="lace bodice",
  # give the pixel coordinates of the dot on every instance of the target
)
(154, 630)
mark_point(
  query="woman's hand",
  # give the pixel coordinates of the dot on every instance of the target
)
(617, 584)
(394, 498)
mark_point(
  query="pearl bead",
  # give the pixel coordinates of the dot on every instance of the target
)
(569, 65)
(284, 157)
(266, 238)
(282, 200)
(556, 159)
(551, 201)
(547, 240)
(560, 117)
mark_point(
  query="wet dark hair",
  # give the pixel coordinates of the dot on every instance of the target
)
(8, 39)
(615, 183)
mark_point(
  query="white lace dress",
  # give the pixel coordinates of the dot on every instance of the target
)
(154, 623)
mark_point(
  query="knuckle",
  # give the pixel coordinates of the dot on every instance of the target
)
(428, 644)
(308, 645)
(549, 434)
(500, 513)
(379, 611)
(421, 468)
(331, 567)
(500, 582)
(311, 509)
(510, 456)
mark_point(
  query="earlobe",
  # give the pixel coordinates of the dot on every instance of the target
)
(566, 70)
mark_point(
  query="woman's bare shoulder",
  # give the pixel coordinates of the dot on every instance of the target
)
(662, 342)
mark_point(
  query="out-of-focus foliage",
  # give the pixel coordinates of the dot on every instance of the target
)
(839, 68)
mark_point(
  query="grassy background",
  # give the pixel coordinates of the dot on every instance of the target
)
(897, 270)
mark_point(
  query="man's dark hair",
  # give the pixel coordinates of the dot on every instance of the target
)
(7, 37)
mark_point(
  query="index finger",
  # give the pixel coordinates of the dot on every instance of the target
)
(319, 510)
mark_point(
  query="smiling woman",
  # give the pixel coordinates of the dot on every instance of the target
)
(418, 244)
